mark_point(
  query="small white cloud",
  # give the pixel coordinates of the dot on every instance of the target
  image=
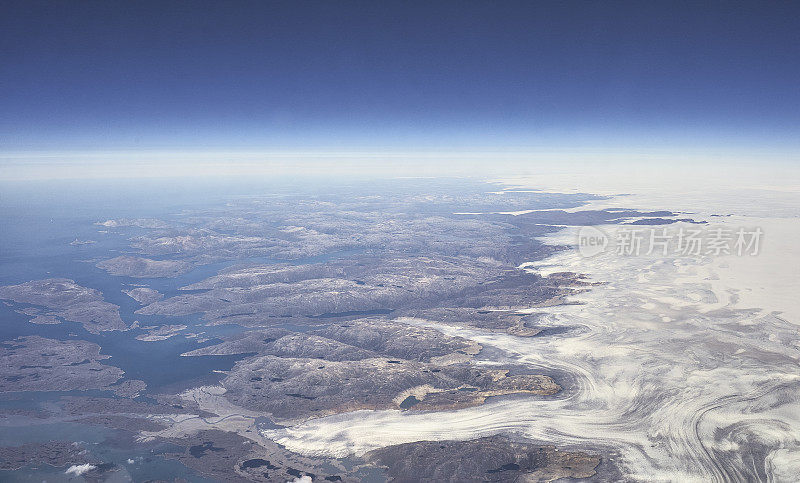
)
(78, 470)
(130, 461)
(301, 479)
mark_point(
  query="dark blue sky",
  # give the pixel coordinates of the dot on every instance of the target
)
(264, 75)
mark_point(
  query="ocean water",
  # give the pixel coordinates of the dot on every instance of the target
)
(37, 223)
(35, 244)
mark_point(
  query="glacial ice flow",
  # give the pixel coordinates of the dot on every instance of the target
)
(686, 368)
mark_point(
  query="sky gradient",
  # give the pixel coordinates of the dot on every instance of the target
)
(165, 76)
